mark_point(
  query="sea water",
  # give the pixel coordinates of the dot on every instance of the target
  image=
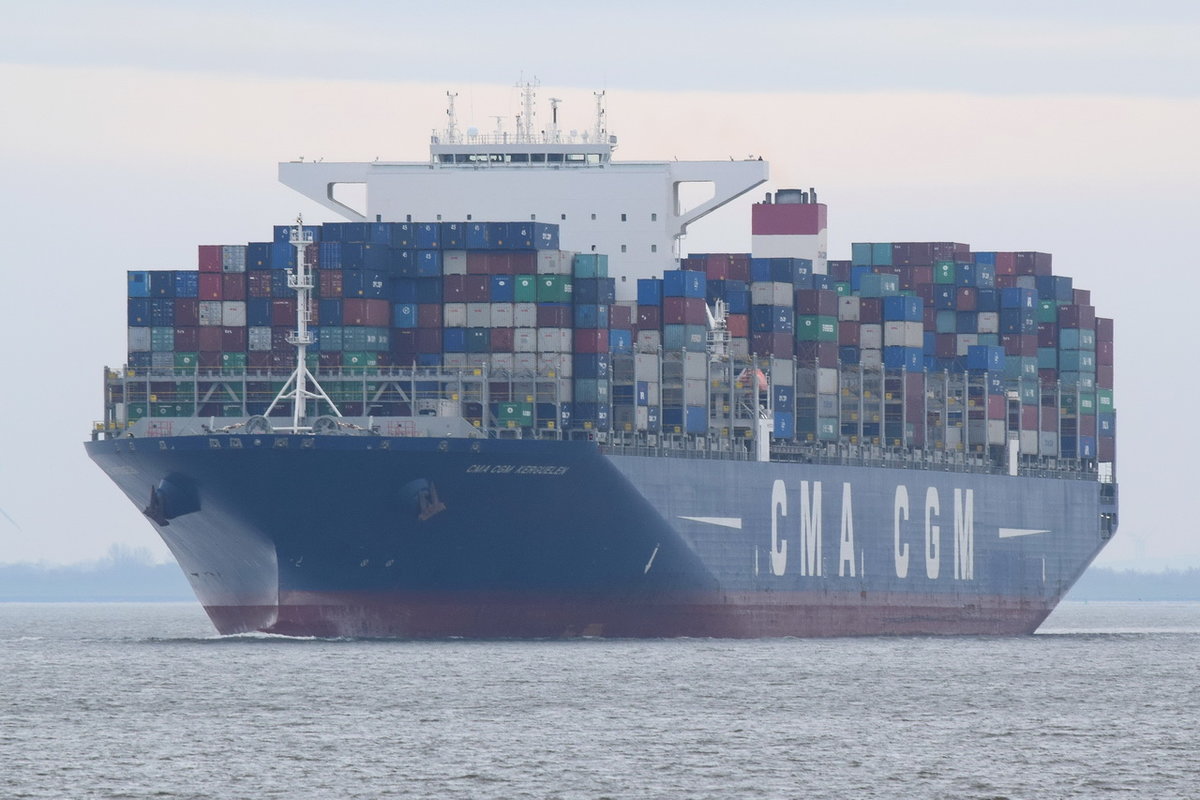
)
(145, 701)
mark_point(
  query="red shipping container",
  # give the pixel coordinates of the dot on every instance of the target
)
(649, 318)
(187, 312)
(1006, 264)
(1104, 329)
(1006, 281)
(684, 311)
(591, 340)
(1081, 297)
(1049, 421)
(1106, 448)
(361, 311)
(620, 318)
(209, 359)
(870, 310)
(848, 333)
(921, 275)
(497, 263)
(739, 267)
(329, 359)
(1029, 418)
(233, 286)
(259, 359)
(429, 315)
(233, 340)
(477, 262)
(555, 316)
(329, 283)
(279, 339)
(965, 299)
(1104, 353)
(523, 262)
(429, 340)
(1047, 335)
(1030, 263)
(822, 302)
(839, 271)
(187, 339)
(209, 339)
(822, 354)
(1087, 425)
(929, 318)
(283, 312)
(1104, 376)
(947, 345)
(403, 343)
(997, 406)
(209, 258)
(715, 266)
(502, 340)
(210, 286)
(1073, 316)
(780, 345)
(258, 283)
(454, 287)
(476, 288)
(738, 325)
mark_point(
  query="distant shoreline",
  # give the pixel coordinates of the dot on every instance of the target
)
(125, 578)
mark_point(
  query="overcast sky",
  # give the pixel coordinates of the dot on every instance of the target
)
(131, 132)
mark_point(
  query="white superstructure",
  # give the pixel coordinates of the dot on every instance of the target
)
(629, 210)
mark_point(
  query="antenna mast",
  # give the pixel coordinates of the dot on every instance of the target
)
(296, 389)
(451, 119)
(601, 132)
(525, 124)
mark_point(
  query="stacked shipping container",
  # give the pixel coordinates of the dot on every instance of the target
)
(919, 344)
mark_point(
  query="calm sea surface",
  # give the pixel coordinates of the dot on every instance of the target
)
(145, 701)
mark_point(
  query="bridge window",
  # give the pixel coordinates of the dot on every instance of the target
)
(653, 248)
(593, 158)
(624, 218)
(654, 217)
(593, 217)
(575, 158)
(554, 158)
(564, 216)
(537, 158)
(624, 248)
(520, 158)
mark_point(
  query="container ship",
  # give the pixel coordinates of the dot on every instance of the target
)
(500, 401)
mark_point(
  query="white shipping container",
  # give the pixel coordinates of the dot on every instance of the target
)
(988, 322)
(1029, 443)
(502, 315)
(454, 359)
(503, 361)
(454, 262)
(695, 365)
(525, 340)
(454, 315)
(827, 405)
(695, 392)
(258, 338)
(478, 360)
(964, 341)
(554, 262)
(914, 334)
(555, 365)
(893, 333)
(870, 336)
(872, 357)
(1030, 282)
(233, 313)
(653, 393)
(739, 347)
(233, 258)
(649, 341)
(848, 309)
(783, 371)
(526, 361)
(139, 339)
(953, 438)
(771, 293)
(996, 433)
(210, 313)
(479, 315)
(524, 315)
(1048, 444)
(645, 367)
(641, 417)
(827, 380)
(554, 340)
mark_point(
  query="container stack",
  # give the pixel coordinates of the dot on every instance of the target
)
(923, 345)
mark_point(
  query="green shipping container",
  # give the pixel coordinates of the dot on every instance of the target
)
(816, 329)
(1104, 400)
(1087, 404)
(162, 340)
(1047, 311)
(943, 272)
(518, 413)
(185, 361)
(554, 289)
(233, 360)
(881, 254)
(843, 289)
(590, 265)
(525, 289)
(860, 254)
(135, 411)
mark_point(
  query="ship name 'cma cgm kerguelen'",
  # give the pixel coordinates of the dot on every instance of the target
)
(500, 402)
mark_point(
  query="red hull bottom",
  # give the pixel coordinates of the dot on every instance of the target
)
(751, 615)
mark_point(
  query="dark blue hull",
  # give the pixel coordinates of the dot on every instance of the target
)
(376, 536)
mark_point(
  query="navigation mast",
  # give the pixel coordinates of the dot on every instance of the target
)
(296, 389)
